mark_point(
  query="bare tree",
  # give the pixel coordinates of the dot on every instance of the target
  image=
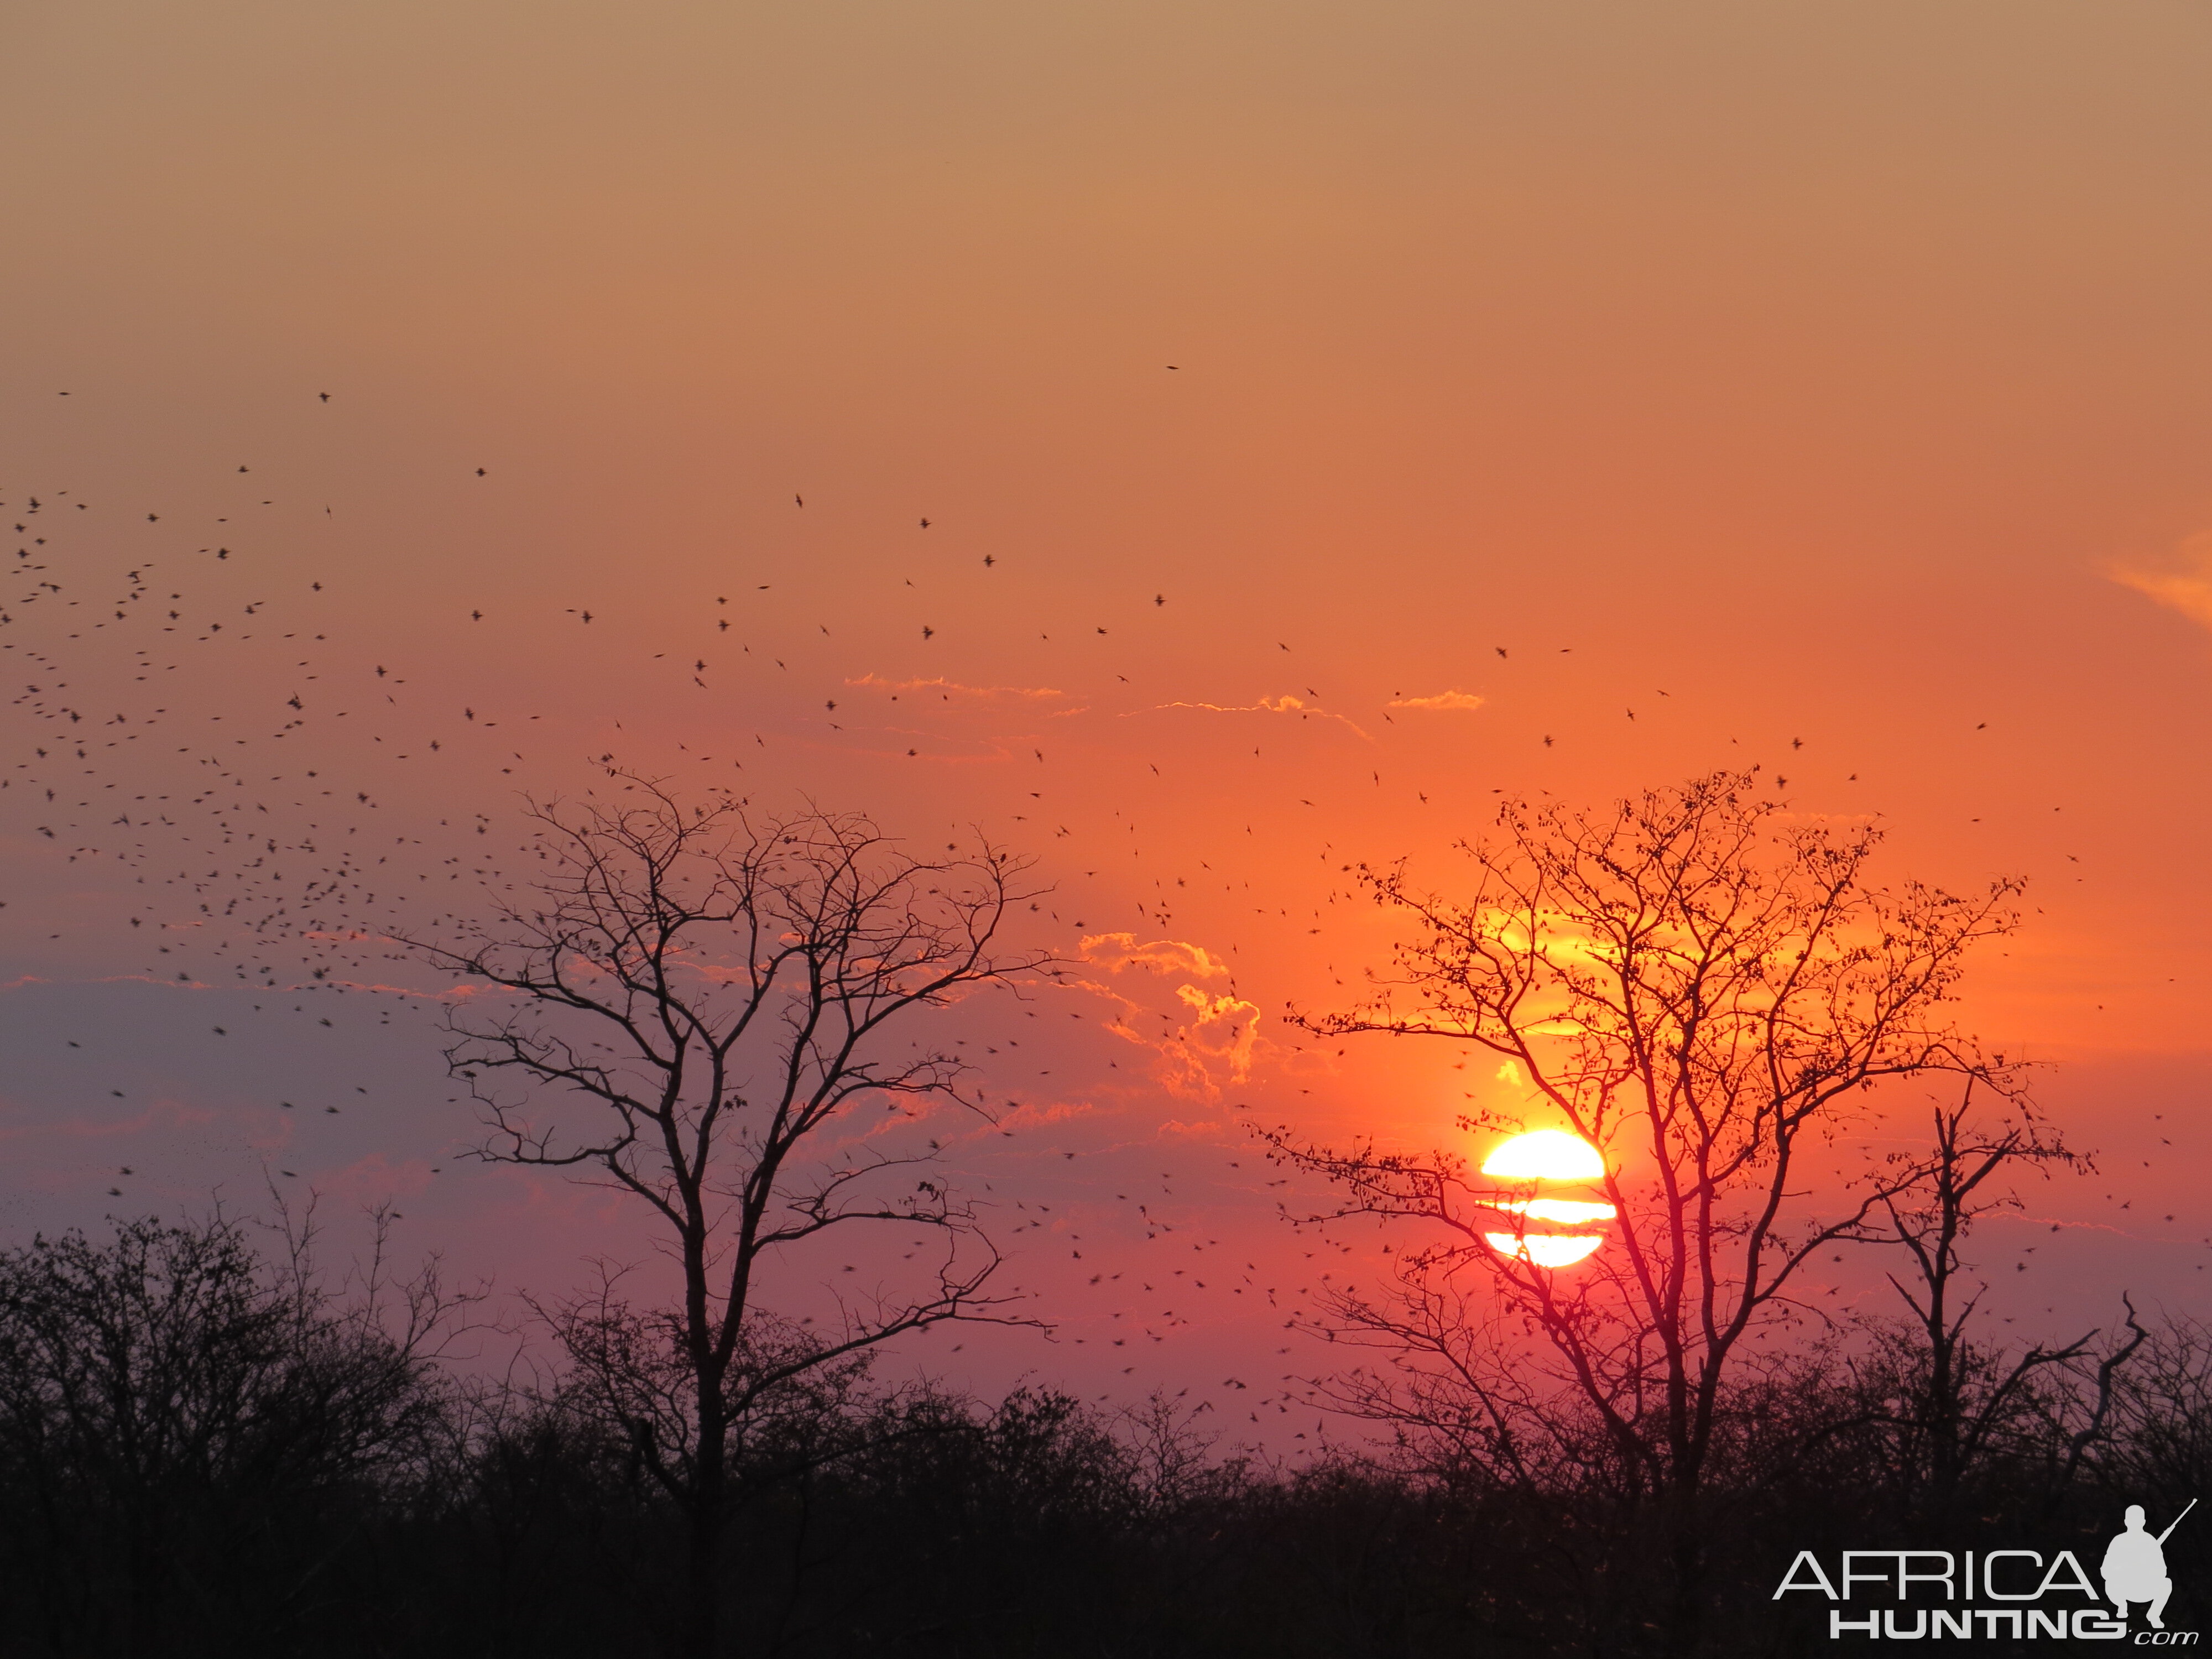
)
(714, 992)
(1952, 1397)
(1699, 984)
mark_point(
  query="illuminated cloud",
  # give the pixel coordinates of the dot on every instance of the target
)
(2185, 585)
(1115, 951)
(1208, 1041)
(1211, 1050)
(1465, 700)
(1031, 1116)
(1286, 704)
(945, 688)
(956, 1128)
(1217, 1045)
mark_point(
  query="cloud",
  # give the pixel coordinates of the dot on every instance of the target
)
(2185, 585)
(1115, 952)
(1031, 1116)
(1286, 704)
(1011, 1117)
(376, 1180)
(1215, 1047)
(1465, 700)
(165, 1112)
(945, 688)
(1207, 1040)
(1212, 1048)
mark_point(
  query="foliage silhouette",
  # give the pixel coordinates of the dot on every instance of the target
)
(198, 1459)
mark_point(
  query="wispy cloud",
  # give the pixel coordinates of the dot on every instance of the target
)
(945, 688)
(1013, 1118)
(1286, 704)
(1115, 951)
(2185, 583)
(1442, 700)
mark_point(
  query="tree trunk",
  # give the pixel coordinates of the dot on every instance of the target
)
(1686, 1609)
(709, 1518)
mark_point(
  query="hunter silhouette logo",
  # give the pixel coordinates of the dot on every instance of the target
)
(2135, 1566)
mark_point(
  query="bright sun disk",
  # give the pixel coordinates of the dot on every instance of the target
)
(1545, 1249)
(1546, 1155)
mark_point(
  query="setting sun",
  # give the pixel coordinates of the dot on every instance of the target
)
(1546, 1155)
(1545, 1249)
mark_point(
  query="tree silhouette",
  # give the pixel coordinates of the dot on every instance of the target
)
(1700, 985)
(688, 1000)
(180, 1418)
(1949, 1397)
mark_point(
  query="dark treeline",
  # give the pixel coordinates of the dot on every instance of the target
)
(205, 1448)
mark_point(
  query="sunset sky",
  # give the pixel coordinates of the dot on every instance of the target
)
(1328, 421)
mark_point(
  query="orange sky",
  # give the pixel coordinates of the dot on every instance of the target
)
(1825, 376)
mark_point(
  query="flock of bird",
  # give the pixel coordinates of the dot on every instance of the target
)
(206, 742)
(207, 761)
